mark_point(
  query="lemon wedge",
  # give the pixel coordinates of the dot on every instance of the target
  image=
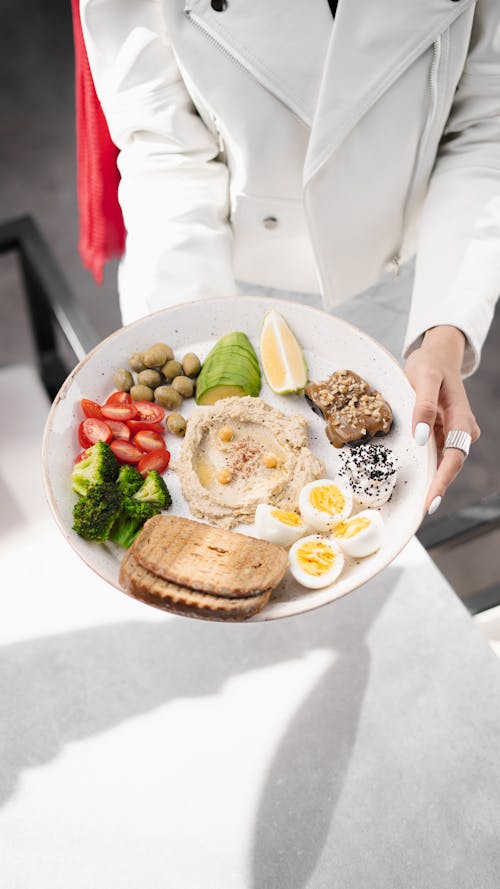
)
(281, 356)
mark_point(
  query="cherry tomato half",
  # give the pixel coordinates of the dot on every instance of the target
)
(80, 456)
(95, 430)
(91, 408)
(137, 425)
(120, 430)
(149, 441)
(119, 411)
(149, 410)
(82, 438)
(126, 452)
(119, 398)
(158, 460)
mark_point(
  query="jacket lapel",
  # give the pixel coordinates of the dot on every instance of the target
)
(282, 43)
(328, 74)
(371, 45)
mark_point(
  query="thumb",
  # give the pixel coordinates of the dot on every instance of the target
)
(427, 385)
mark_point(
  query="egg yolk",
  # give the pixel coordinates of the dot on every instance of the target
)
(315, 558)
(350, 529)
(327, 498)
(287, 518)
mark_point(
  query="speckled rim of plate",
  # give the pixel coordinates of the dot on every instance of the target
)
(294, 607)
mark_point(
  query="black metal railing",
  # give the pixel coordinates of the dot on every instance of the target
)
(52, 308)
(477, 520)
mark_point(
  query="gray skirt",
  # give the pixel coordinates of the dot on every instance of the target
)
(381, 311)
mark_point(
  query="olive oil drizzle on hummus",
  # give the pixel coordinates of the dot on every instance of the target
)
(259, 431)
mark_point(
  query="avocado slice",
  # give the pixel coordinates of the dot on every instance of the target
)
(231, 368)
(218, 392)
(232, 364)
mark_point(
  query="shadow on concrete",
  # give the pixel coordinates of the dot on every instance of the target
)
(308, 772)
(66, 687)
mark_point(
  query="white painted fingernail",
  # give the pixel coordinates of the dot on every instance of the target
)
(421, 434)
(434, 505)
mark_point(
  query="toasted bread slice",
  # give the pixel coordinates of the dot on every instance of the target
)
(142, 584)
(208, 559)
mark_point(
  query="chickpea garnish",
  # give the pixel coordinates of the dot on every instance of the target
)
(224, 476)
(270, 460)
(226, 433)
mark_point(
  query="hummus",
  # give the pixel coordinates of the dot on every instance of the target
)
(241, 452)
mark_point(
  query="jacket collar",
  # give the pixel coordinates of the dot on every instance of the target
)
(328, 73)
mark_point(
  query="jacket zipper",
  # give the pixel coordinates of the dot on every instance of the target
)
(433, 107)
(201, 26)
(395, 263)
(194, 20)
(433, 90)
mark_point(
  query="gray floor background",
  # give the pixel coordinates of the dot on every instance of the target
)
(37, 177)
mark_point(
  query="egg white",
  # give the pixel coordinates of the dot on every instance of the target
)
(366, 541)
(320, 519)
(268, 526)
(306, 578)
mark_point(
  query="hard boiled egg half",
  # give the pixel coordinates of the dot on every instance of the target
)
(361, 535)
(278, 525)
(324, 502)
(315, 561)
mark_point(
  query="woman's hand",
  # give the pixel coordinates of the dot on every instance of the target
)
(434, 370)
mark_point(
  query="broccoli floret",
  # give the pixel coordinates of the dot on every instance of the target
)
(129, 480)
(97, 467)
(141, 500)
(154, 490)
(131, 517)
(95, 513)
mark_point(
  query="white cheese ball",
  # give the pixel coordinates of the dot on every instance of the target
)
(370, 472)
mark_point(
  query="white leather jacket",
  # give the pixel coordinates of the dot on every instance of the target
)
(262, 141)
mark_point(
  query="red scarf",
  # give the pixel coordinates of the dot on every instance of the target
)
(102, 231)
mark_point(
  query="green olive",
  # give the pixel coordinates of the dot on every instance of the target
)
(191, 364)
(123, 380)
(176, 424)
(167, 396)
(171, 370)
(157, 355)
(142, 393)
(184, 386)
(149, 378)
(136, 362)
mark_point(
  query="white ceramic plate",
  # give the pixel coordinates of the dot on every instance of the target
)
(329, 344)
